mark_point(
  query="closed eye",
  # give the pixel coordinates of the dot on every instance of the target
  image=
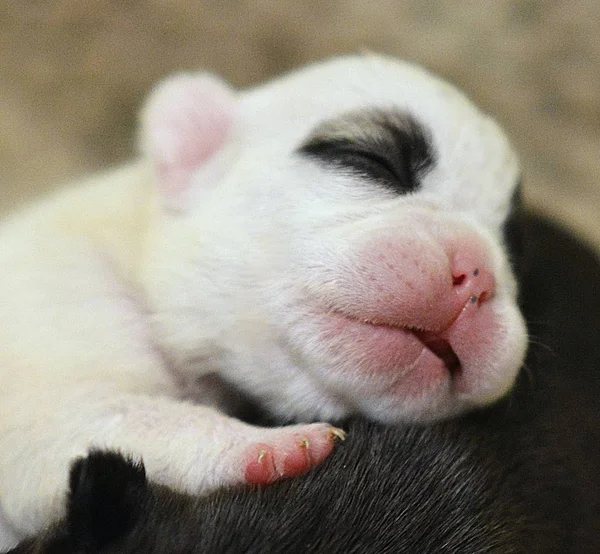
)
(366, 163)
(388, 148)
(369, 164)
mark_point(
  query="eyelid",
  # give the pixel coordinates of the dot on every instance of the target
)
(377, 159)
(388, 147)
(371, 164)
(351, 151)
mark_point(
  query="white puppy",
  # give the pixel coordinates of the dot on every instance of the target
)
(329, 243)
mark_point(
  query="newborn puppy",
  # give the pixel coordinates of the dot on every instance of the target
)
(521, 477)
(331, 243)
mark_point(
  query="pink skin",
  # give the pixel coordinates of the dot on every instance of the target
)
(417, 319)
(190, 120)
(421, 284)
(174, 178)
(295, 454)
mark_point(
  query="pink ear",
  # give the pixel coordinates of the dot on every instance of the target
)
(188, 120)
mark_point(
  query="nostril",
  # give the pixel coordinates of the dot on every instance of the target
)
(472, 283)
(472, 274)
(458, 280)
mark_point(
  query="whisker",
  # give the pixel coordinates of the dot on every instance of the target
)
(534, 341)
(530, 376)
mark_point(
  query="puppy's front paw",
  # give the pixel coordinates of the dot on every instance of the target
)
(290, 452)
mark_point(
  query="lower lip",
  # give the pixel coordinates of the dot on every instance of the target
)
(382, 350)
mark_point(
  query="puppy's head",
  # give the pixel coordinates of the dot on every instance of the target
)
(334, 241)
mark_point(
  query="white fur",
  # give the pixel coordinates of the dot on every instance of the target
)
(113, 304)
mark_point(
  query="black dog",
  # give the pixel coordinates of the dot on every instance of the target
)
(523, 476)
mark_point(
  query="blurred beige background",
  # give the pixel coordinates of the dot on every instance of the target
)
(73, 74)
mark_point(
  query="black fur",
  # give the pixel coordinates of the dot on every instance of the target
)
(398, 154)
(520, 477)
(105, 498)
(514, 231)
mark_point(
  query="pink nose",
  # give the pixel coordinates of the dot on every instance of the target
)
(471, 279)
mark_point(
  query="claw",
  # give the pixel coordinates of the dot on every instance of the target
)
(335, 433)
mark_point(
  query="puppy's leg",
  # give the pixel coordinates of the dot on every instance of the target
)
(79, 369)
(189, 447)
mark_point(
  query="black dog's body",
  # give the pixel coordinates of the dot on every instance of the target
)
(523, 476)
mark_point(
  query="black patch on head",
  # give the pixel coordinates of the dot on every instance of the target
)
(387, 147)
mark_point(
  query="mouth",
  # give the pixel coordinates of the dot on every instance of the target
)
(433, 341)
(441, 348)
